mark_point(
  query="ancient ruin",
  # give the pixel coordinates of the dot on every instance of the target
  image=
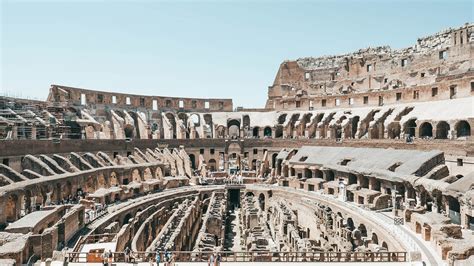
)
(361, 157)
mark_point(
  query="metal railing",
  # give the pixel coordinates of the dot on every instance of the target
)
(229, 256)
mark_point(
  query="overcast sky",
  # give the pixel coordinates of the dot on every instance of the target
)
(213, 49)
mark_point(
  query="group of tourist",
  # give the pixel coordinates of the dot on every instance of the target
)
(214, 259)
(234, 179)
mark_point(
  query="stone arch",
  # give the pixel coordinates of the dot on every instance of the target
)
(256, 132)
(384, 245)
(363, 230)
(267, 132)
(171, 118)
(12, 208)
(212, 165)
(158, 173)
(261, 201)
(279, 131)
(426, 130)
(350, 224)
(192, 160)
(101, 181)
(463, 129)
(354, 124)
(410, 127)
(114, 182)
(127, 218)
(147, 175)
(233, 127)
(442, 130)
(308, 173)
(220, 131)
(393, 130)
(274, 159)
(195, 119)
(318, 174)
(136, 176)
(375, 238)
(129, 131)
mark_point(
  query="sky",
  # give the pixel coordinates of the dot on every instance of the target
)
(207, 49)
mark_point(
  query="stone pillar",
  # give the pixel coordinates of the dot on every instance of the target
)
(14, 132)
(33, 132)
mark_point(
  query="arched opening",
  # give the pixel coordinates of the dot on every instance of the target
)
(384, 245)
(375, 238)
(410, 127)
(279, 131)
(129, 131)
(352, 179)
(267, 132)
(308, 173)
(281, 119)
(212, 165)
(255, 132)
(393, 130)
(463, 129)
(363, 230)
(442, 130)
(246, 121)
(172, 124)
(127, 218)
(147, 174)
(233, 127)
(208, 126)
(11, 208)
(350, 224)
(158, 173)
(192, 158)
(426, 130)
(261, 201)
(101, 182)
(318, 174)
(136, 177)
(329, 175)
(254, 164)
(274, 159)
(220, 131)
(354, 123)
(113, 179)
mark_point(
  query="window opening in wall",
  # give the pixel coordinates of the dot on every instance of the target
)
(452, 91)
(129, 153)
(181, 104)
(127, 101)
(155, 105)
(201, 151)
(337, 102)
(461, 38)
(398, 96)
(114, 99)
(366, 99)
(345, 161)
(255, 151)
(351, 101)
(369, 67)
(380, 100)
(323, 103)
(434, 91)
(83, 99)
(460, 162)
(307, 76)
(303, 159)
(404, 62)
(385, 80)
(168, 103)
(100, 98)
(394, 166)
(115, 154)
(194, 104)
(311, 105)
(213, 151)
(221, 105)
(142, 102)
(416, 95)
(206, 105)
(472, 86)
(443, 54)
(422, 74)
(246, 154)
(298, 104)
(6, 162)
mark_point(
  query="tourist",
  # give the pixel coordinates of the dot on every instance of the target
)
(126, 252)
(211, 260)
(104, 257)
(158, 258)
(218, 259)
(111, 258)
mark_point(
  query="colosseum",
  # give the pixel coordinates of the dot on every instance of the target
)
(356, 158)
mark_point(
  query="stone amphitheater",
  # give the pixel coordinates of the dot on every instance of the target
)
(365, 157)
